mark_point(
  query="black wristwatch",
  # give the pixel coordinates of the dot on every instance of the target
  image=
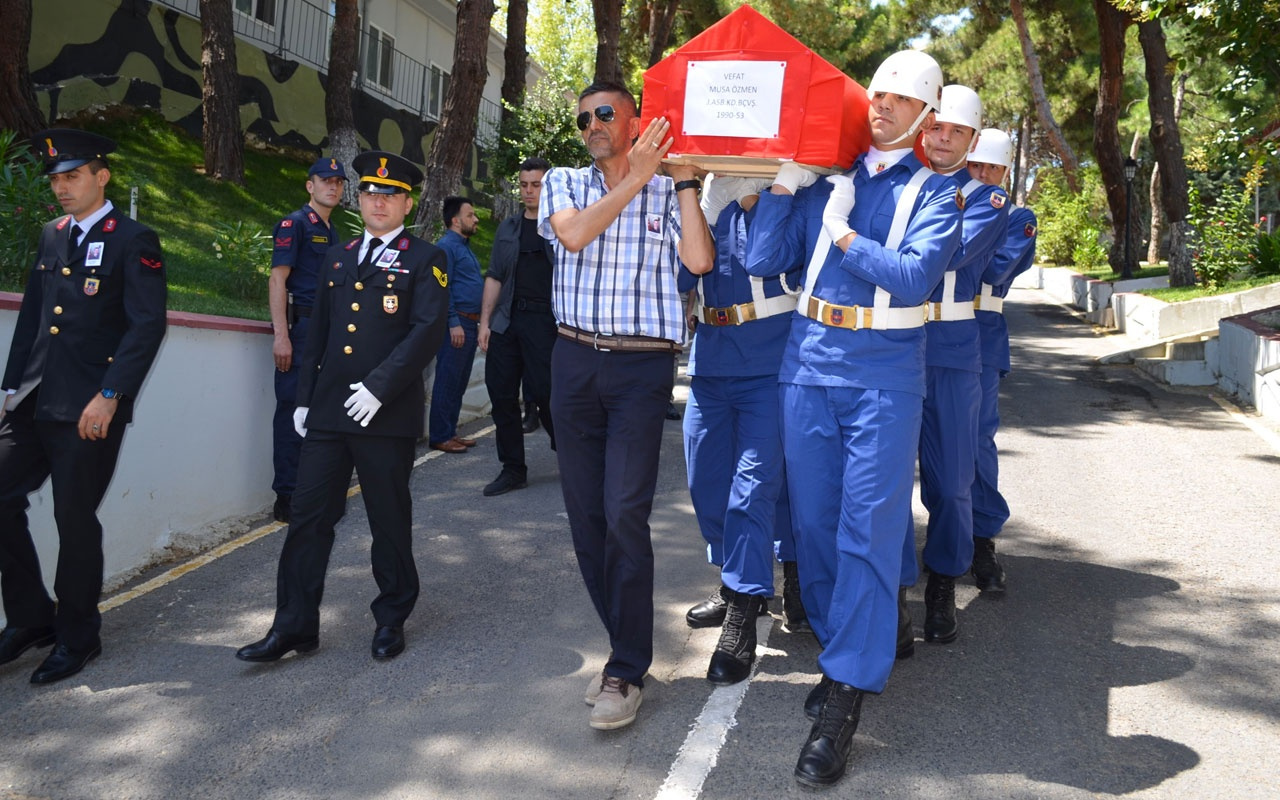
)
(695, 185)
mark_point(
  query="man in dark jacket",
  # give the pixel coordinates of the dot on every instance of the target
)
(378, 320)
(90, 325)
(517, 328)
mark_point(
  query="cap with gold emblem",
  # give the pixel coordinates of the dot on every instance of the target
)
(64, 149)
(328, 168)
(386, 173)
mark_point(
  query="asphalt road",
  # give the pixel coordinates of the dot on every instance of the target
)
(1135, 655)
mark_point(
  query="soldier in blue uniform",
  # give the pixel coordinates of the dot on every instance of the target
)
(953, 368)
(732, 436)
(852, 384)
(90, 326)
(379, 317)
(301, 240)
(990, 163)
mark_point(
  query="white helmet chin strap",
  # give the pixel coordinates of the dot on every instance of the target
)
(912, 130)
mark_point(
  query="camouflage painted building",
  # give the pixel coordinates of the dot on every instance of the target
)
(88, 54)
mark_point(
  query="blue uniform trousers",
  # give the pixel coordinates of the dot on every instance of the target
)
(453, 373)
(609, 409)
(990, 511)
(948, 447)
(733, 452)
(850, 467)
(286, 441)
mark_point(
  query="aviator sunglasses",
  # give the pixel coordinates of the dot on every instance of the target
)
(603, 113)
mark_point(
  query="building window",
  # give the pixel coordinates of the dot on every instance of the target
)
(437, 88)
(377, 65)
(261, 10)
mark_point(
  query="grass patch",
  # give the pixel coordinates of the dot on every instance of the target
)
(1177, 294)
(1105, 273)
(184, 207)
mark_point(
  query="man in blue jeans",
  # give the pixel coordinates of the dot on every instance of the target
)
(453, 364)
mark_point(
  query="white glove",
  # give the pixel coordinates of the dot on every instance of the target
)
(835, 217)
(362, 405)
(793, 177)
(300, 421)
(726, 189)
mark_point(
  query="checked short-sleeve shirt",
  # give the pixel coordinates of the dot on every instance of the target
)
(624, 282)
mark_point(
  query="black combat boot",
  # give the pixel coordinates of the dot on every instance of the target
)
(987, 572)
(940, 609)
(826, 753)
(710, 612)
(906, 634)
(794, 618)
(736, 651)
(813, 702)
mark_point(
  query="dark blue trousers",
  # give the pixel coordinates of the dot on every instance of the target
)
(453, 372)
(609, 409)
(286, 441)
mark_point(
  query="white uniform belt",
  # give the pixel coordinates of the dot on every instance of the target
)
(746, 312)
(855, 317)
(988, 301)
(948, 312)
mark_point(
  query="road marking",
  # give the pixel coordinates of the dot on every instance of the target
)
(1267, 435)
(701, 748)
(171, 575)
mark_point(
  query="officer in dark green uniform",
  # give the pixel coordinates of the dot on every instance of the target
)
(380, 315)
(90, 325)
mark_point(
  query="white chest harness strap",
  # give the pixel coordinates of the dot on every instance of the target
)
(882, 317)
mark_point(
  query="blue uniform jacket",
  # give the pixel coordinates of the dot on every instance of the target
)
(739, 351)
(782, 237)
(301, 240)
(466, 284)
(1013, 258)
(954, 343)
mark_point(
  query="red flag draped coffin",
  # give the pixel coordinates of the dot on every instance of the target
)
(744, 94)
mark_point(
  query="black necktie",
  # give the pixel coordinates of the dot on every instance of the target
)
(73, 239)
(374, 244)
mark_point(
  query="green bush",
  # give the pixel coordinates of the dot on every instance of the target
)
(245, 253)
(1267, 253)
(26, 204)
(1069, 223)
(1089, 254)
(1224, 238)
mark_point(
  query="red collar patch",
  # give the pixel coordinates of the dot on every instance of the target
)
(62, 223)
(109, 225)
(315, 219)
(403, 244)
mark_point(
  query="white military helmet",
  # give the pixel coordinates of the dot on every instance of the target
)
(960, 106)
(994, 147)
(911, 73)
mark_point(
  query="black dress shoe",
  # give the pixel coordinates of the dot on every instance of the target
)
(280, 511)
(673, 413)
(16, 641)
(276, 646)
(530, 422)
(64, 662)
(504, 483)
(388, 642)
(813, 701)
(710, 612)
(825, 755)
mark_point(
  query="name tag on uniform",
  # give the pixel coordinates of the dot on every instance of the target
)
(320, 239)
(93, 257)
(388, 257)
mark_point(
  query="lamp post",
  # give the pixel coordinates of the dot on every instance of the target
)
(1130, 170)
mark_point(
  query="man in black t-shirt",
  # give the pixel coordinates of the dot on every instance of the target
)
(517, 328)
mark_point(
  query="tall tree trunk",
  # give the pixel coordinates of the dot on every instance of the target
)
(1070, 164)
(453, 139)
(1157, 208)
(515, 61)
(662, 19)
(608, 17)
(223, 139)
(1167, 143)
(1106, 133)
(339, 115)
(19, 110)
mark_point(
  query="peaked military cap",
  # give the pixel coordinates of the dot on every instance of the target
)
(328, 168)
(64, 149)
(386, 173)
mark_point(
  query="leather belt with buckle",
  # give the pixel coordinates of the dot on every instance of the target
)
(621, 344)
